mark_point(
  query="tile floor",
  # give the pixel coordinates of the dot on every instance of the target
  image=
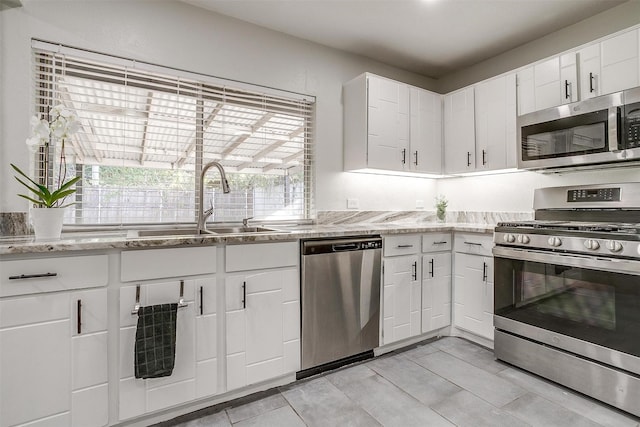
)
(442, 383)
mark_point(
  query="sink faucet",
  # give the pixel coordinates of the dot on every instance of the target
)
(202, 214)
(245, 221)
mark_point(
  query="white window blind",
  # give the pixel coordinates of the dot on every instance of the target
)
(146, 132)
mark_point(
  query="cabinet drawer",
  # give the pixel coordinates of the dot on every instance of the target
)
(474, 243)
(262, 255)
(401, 245)
(36, 275)
(171, 262)
(436, 242)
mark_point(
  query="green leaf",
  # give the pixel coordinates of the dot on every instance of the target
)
(37, 202)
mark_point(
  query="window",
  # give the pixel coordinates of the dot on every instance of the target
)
(147, 131)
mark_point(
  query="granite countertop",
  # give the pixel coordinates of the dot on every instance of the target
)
(119, 239)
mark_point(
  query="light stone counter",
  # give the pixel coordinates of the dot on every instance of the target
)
(119, 239)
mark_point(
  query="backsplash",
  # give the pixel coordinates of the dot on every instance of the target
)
(13, 224)
(411, 217)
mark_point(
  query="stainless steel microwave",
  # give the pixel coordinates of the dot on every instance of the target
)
(601, 130)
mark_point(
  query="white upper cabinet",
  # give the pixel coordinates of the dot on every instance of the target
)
(459, 131)
(608, 66)
(480, 126)
(391, 126)
(495, 121)
(589, 71)
(425, 138)
(620, 62)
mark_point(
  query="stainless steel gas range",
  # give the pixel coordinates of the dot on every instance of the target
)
(567, 291)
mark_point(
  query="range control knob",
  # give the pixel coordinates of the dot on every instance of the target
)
(555, 241)
(592, 244)
(614, 246)
(523, 238)
(509, 238)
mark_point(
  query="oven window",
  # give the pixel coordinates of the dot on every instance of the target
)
(565, 137)
(595, 306)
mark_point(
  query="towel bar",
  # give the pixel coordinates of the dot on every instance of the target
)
(181, 302)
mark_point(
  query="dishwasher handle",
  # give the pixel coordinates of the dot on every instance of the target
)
(346, 247)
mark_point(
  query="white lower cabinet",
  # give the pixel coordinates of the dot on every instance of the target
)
(417, 285)
(473, 284)
(262, 313)
(263, 326)
(53, 359)
(436, 281)
(195, 370)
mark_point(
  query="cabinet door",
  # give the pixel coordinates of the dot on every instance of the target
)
(35, 356)
(547, 83)
(526, 91)
(436, 291)
(568, 78)
(263, 326)
(90, 390)
(426, 131)
(495, 106)
(402, 289)
(620, 68)
(206, 301)
(589, 66)
(459, 131)
(388, 124)
(139, 396)
(473, 294)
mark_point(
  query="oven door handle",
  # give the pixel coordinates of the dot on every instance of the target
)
(613, 265)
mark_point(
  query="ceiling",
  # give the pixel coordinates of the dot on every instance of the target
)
(429, 37)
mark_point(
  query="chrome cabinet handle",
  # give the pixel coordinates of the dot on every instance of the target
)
(416, 156)
(567, 95)
(431, 266)
(468, 158)
(591, 79)
(473, 243)
(32, 276)
(484, 271)
(415, 270)
(404, 246)
(404, 156)
(484, 157)
(442, 242)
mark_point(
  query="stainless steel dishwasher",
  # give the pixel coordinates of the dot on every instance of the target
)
(340, 294)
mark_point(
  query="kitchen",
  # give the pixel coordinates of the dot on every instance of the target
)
(132, 30)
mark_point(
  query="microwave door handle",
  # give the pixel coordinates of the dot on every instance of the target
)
(615, 128)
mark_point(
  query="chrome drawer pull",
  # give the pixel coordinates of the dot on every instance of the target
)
(32, 276)
(473, 243)
(439, 243)
(404, 246)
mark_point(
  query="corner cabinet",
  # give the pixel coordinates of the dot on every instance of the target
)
(473, 284)
(53, 341)
(262, 312)
(480, 126)
(391, 126)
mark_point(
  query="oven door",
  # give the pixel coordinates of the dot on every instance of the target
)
(585, 305)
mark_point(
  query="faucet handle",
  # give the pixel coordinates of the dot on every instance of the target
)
(245, 221)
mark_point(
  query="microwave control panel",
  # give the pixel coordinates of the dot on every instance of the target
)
(631, 127)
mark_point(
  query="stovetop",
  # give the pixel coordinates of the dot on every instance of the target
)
(562, 226)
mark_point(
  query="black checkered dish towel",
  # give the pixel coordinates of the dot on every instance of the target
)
(155, 348)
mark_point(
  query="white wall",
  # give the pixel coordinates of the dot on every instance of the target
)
(175, 34)
(513, 192)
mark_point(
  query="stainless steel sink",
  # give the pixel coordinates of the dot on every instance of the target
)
(159, 232)
(240, 229)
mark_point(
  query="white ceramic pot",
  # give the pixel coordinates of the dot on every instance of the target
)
(47, 222)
